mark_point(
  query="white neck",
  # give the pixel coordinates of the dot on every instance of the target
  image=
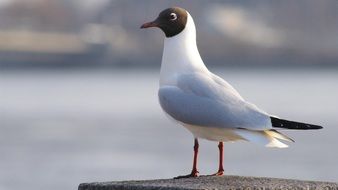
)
(180, 55)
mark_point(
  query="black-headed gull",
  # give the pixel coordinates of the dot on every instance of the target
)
(205, 104)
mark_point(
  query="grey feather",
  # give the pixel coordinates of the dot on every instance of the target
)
(204, 100)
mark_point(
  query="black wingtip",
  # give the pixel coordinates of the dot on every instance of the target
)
(319, 127)
(285, 124)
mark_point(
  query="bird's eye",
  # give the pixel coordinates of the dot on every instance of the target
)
(173, 16)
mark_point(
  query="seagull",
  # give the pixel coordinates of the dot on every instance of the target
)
(208, 106)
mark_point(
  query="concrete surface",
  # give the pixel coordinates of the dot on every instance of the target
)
(208, 182)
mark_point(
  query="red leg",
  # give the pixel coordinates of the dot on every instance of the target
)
(194, 172)
(220, 166)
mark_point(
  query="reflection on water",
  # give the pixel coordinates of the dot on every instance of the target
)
(61, 128)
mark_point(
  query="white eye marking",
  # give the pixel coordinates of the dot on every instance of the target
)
(173, 16)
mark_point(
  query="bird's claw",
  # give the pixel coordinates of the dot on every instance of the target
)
(192, 174)
(219, 173)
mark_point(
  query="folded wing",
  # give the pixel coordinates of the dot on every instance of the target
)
(200, 100)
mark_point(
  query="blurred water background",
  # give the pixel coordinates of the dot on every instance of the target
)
(78, 89)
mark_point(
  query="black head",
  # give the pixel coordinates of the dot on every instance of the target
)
(171, 21)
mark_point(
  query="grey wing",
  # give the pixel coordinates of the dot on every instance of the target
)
(198, 101)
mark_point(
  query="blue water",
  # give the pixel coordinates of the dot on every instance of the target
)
(61, 128)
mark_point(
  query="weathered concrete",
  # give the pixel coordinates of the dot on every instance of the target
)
(208, 182)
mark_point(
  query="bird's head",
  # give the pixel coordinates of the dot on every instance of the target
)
(171, 21)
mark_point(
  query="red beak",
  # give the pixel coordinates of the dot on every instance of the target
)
(149, 24)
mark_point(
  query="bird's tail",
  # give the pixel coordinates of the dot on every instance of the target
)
(285, 124)
(278, 135)
(272, 137)
(269, 138)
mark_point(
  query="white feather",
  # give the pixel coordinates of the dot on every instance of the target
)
(231, 135)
